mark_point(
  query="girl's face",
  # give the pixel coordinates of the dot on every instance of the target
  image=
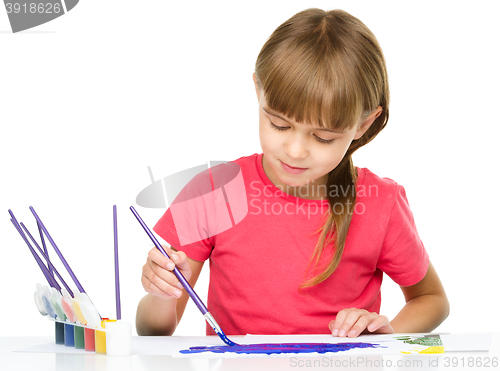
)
(298, 156)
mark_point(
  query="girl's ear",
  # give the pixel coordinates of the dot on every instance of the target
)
(256, 86)
(367, 122)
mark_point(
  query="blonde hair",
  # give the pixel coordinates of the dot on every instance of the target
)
(327, 68)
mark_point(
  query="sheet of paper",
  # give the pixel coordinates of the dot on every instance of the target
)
(455, 342)
(386, 344)
(383, 344)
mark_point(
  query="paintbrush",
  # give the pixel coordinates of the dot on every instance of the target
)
(58, 252)
(117, 271)
(203, 309)
(50, 279)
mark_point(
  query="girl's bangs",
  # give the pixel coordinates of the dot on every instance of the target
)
(318, 89)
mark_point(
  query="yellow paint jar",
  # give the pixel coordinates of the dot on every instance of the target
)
(100, 337)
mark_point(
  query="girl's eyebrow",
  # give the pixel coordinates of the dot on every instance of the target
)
(275, 114)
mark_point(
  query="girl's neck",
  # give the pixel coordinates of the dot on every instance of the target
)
(314, 190)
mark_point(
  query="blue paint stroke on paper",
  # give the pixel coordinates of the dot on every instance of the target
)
(281, 348)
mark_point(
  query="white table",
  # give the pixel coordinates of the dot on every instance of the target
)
(12, 359)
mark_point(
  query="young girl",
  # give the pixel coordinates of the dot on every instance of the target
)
(317, 233)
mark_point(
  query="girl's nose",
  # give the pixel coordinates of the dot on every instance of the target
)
(295, 146)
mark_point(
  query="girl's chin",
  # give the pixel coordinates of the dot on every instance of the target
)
(291, 183)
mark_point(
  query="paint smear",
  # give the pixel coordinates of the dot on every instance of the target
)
(427, 340)
(433, 343)
(281, 348)
(432, 350)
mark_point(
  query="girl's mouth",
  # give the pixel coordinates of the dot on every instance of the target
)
(291, 169)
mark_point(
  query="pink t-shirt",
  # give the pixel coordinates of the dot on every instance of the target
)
(258, 258)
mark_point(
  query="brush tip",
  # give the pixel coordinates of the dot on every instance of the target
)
(225, 339)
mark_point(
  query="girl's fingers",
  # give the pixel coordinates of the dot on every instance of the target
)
(177, 259)
(158, 287)
(181, 261)
(352, 322)
(163, 274)
(152, 289)
(361, 324)
(331, 326)
(156, 256)
(381, 325)
(355, 322)
(339, 320)
(158, 280)
(157, 276)
(344, 321)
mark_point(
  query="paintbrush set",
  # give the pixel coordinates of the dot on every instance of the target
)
(77, 322)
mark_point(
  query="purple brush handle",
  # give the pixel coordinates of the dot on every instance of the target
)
(203, 309)
(44, 255)
(44, 246)
(42, 266)
(117, 273)
(66, 265)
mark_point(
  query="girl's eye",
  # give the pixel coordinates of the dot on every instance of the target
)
(326, 141)
(281, 128)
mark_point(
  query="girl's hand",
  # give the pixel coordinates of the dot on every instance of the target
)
(351, 322)
(157, 276)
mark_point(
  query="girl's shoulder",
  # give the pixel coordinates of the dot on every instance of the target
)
(251, 167)
(248, 160)
(382, 199)
(371, 185)
(367, 177)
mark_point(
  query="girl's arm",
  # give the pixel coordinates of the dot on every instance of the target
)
(426, 307)
(160, 311)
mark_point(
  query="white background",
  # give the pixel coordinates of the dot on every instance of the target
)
(91, 99)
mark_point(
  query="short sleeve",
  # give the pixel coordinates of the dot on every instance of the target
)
(165, 227)
(211, 203)
(403, 256)
(185, 225)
